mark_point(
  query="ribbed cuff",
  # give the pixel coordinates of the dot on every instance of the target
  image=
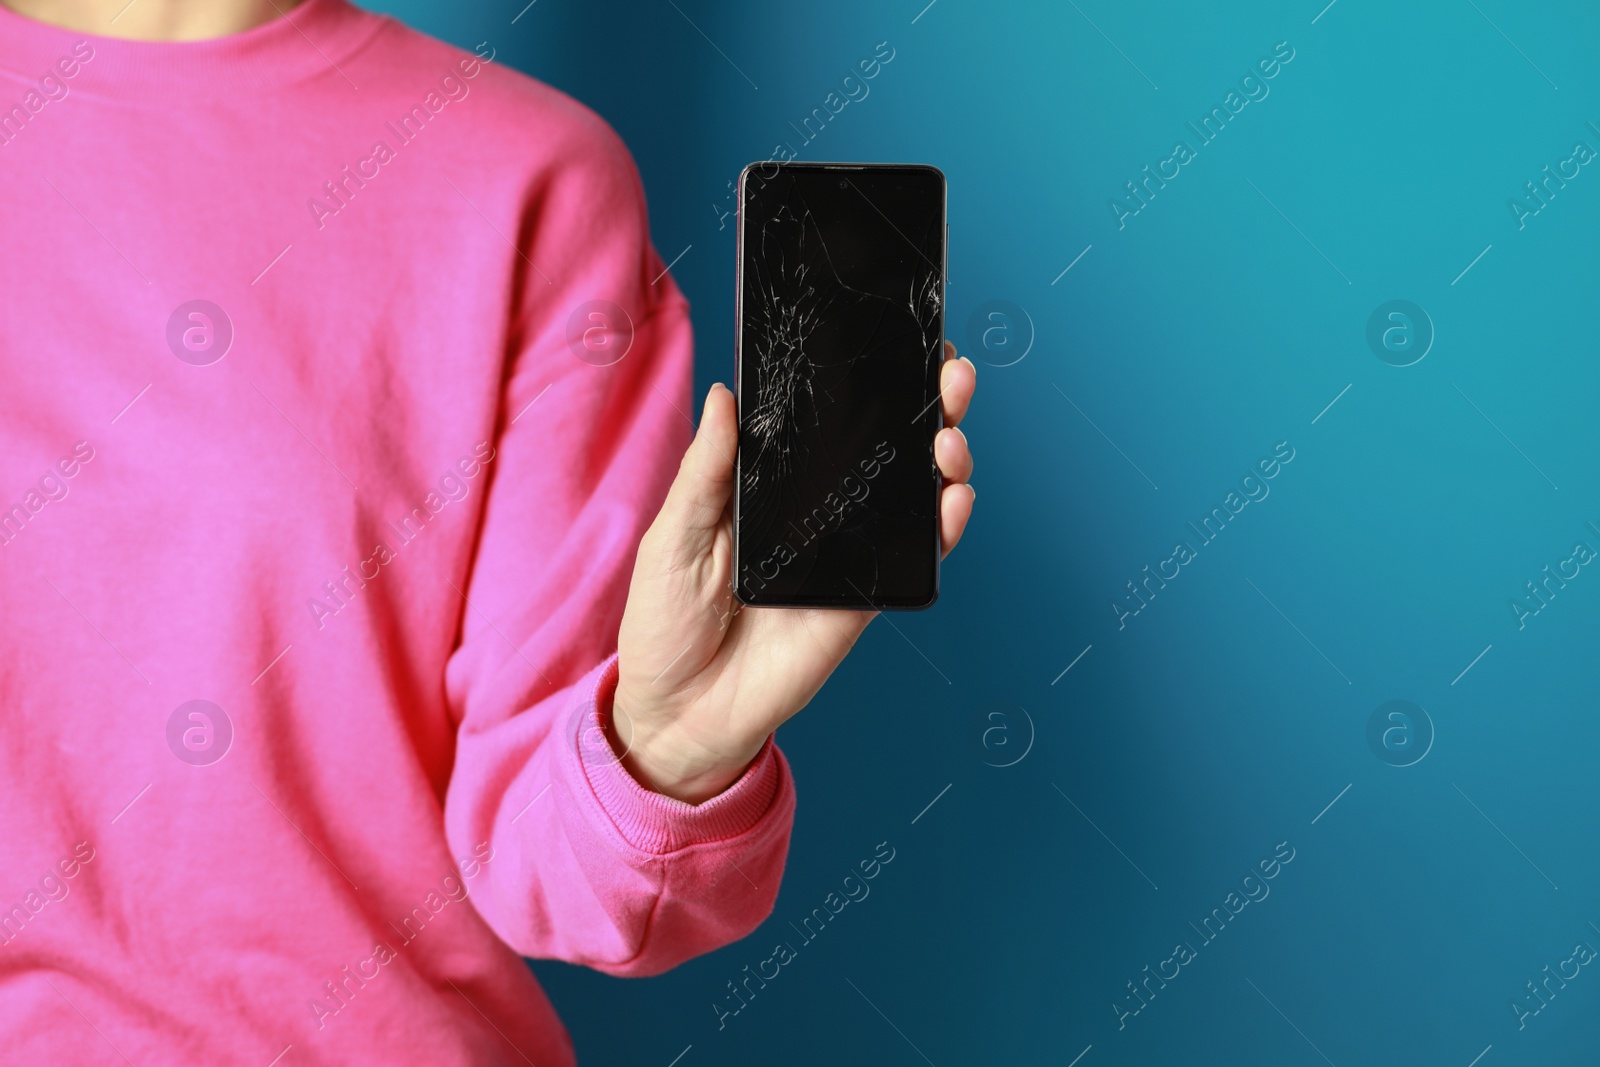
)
(659, 824)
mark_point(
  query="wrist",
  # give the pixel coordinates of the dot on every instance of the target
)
(665, 761)
(680, 779)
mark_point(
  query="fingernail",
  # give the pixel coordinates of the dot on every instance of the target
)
(971, 364)
(973, 491)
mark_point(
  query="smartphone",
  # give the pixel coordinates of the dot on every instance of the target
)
(840, 341)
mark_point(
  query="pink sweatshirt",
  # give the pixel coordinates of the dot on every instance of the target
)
(320, 486)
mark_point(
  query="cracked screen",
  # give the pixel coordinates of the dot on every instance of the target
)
(841, 328)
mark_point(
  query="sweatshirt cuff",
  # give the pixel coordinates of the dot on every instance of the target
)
(651, 821)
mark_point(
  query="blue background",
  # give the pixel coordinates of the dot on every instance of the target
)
(1223, 719)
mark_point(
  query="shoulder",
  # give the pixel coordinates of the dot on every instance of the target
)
(497, 119)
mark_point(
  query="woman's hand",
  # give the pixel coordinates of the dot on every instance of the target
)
(703, 680)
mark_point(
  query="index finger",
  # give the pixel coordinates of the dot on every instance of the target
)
(958, 379)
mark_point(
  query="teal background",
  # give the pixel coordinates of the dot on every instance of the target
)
(1181, 750)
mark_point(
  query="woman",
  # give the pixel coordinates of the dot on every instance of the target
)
(316, 528)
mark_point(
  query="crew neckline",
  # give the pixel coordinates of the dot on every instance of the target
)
(309, 40)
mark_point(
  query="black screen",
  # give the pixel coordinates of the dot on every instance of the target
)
(841, 335)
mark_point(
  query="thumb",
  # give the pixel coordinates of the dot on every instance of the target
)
(699, 495)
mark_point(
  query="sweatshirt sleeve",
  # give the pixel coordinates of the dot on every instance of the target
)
(588, 866)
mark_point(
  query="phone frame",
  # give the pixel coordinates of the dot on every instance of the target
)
(848, 603)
